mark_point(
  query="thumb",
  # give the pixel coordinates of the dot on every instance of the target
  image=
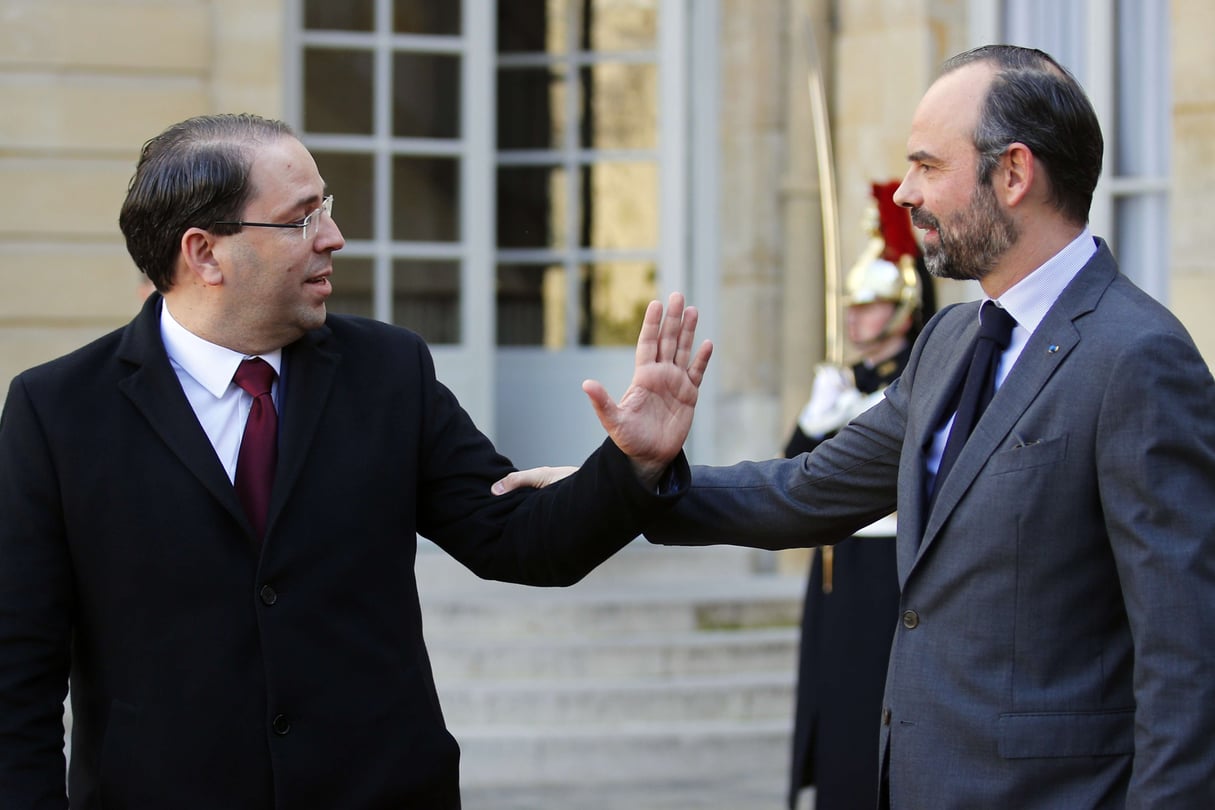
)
(601, 401)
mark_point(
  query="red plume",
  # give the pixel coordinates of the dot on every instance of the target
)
(895, 224)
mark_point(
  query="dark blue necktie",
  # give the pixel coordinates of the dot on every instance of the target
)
(995, 332)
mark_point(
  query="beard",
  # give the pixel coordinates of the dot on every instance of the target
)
(974, 239)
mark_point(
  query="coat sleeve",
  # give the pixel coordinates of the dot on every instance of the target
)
(1156, 473)
(552, 536)
(35, 613)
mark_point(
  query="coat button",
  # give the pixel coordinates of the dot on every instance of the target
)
(268, 595)
(886, 716)
(280, 724)
(911, 619)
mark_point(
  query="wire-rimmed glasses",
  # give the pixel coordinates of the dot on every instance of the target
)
(308, 226)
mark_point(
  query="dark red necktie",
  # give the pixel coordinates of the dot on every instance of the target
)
(259, 446)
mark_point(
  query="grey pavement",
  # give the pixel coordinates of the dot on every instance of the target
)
(764, 792)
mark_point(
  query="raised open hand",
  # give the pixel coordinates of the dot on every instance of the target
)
(652, 419)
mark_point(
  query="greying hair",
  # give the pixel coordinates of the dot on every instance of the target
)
(192, 175)
(1035, 101)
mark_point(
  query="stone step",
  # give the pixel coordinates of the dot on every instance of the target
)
(495, 610)
(516, 756)
(671, 656)
(609, 704)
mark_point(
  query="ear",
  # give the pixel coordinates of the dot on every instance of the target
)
(198, 253)
(1016, 173)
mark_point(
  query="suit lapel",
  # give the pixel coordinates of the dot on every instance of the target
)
(1048, 347)
(943, 375)
(310, 372)
(155, 391)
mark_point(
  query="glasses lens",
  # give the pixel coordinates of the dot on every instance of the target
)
(312, 222)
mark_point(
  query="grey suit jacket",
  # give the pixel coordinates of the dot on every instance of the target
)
(1056, 638)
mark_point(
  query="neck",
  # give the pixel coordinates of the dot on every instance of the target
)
(1037, 243)
(213, 327)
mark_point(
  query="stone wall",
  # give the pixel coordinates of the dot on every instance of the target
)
(84, 84)
(1192, 276)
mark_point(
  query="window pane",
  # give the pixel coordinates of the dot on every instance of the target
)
(531, 305)
(532, 26)
(532, 207)
(622, 100)
(614, 298)
(426, 17)
(1135, 238)
(426, 298)
(426, 95)
(352, 15)
(531, 108)
(1143, 100)
(621, 211)
(425, 199)
(617, 25)
(352, 284)
(350, 181)
(337, 91)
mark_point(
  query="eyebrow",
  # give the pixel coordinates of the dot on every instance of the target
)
(310, 201)
(920, 156)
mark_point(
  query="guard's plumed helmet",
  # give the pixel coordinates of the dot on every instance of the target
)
(886, 268)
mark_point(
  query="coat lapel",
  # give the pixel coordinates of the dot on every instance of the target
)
(310, 372)
(1048, 347)
(155, 391)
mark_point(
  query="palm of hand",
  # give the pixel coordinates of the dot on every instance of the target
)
(654, 416)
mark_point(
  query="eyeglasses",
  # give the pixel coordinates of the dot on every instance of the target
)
(308, 226)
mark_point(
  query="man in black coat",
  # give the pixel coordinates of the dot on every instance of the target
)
(228, 655)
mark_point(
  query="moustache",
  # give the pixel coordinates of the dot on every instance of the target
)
(924, 220)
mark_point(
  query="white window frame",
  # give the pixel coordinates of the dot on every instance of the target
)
(465, 366)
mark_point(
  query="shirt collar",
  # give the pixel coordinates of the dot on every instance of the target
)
(1029, 299)
(210, 364)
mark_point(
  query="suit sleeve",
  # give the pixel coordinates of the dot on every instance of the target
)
(1156, 473)
(35, 613)
(818, 498)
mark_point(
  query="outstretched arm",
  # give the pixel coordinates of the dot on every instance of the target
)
(651, 421)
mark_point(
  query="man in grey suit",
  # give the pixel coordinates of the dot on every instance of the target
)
(1055, 645)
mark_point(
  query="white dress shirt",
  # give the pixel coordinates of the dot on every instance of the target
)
(1027, 301)
(205, 371)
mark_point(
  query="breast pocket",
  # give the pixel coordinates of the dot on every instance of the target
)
(1025, 454)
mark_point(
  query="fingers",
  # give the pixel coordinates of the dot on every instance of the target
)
(536, 477)
(687, 334)
(696, 370)
(672, 329)
(647, 340)
(667, 338)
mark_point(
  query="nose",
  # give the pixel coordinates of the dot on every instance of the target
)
(329, 238)
(906, 194)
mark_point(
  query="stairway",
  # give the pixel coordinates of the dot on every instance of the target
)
(663, 664)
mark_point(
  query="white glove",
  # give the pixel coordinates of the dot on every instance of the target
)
(833, 401)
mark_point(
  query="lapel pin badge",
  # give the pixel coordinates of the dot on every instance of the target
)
(1052, 348)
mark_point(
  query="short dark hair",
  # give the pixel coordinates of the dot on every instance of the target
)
(192, 175)
(1036, 101)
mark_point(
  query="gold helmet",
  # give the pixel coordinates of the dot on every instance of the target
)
(886, 268)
